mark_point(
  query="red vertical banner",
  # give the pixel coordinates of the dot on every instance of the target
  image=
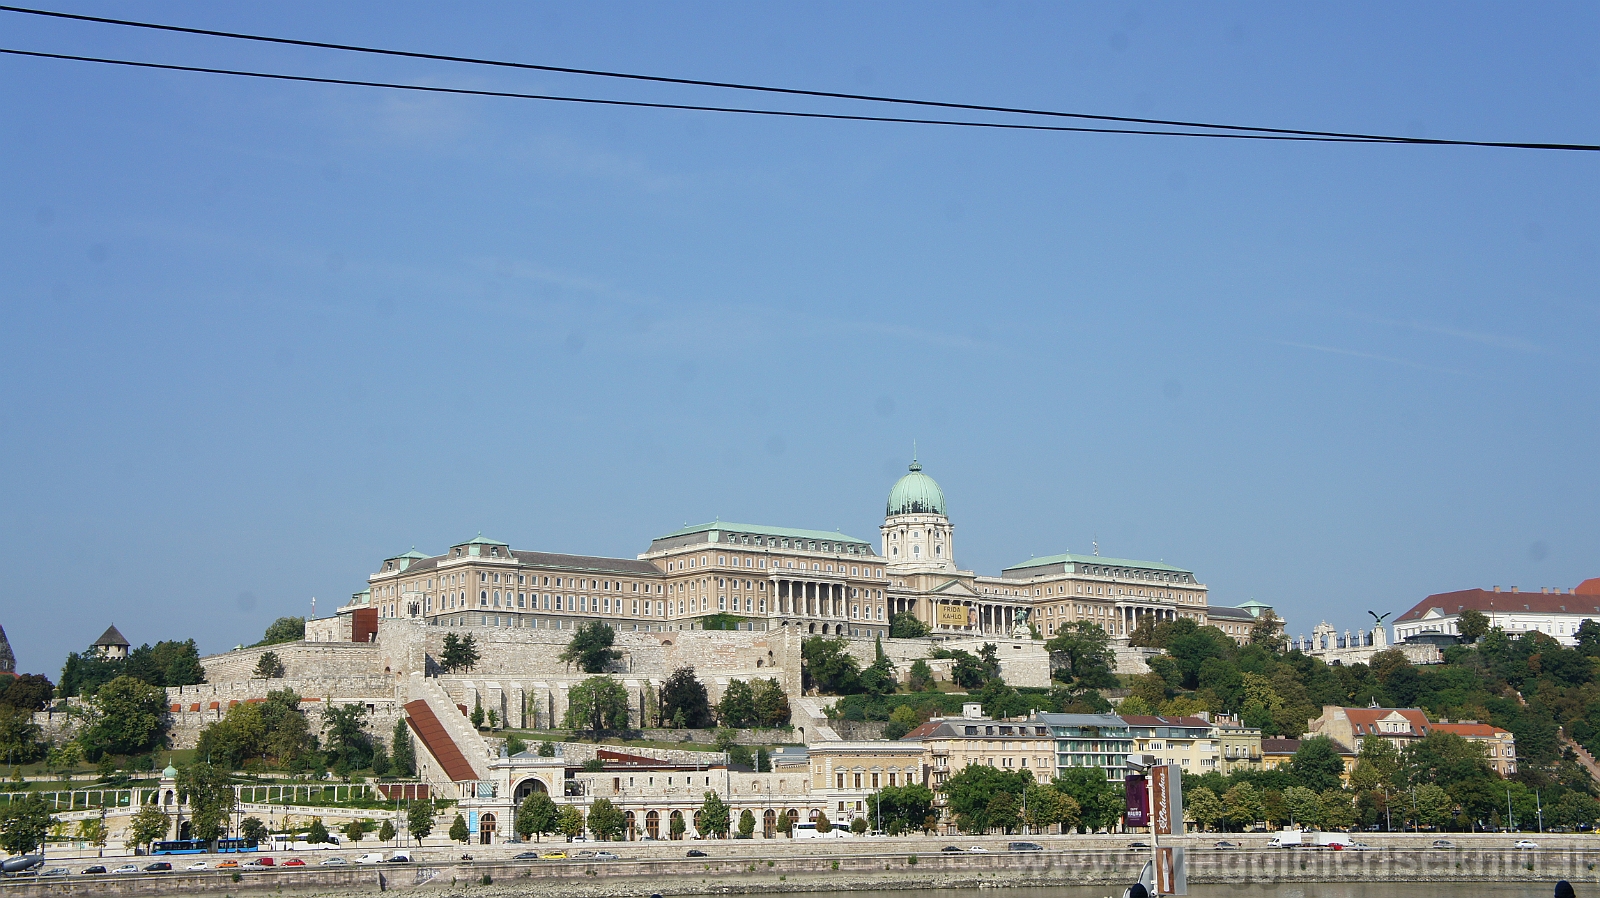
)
(1138, 801)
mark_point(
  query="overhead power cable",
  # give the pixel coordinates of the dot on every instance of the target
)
(599, 101)
(1354, 137)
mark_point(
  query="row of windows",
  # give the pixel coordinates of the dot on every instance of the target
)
(804, 545)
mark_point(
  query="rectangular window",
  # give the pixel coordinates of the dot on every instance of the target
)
(635, 607)
(874, 781)
(722, 603)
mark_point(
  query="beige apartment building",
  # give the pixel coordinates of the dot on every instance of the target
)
(844, 774)
(1402, 726)
(1189, 742)
(827, 583)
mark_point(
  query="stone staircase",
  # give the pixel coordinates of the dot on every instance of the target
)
(1584, 757)
(453, 728)
(808, 714)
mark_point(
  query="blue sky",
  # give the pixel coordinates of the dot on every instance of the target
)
(255, 337)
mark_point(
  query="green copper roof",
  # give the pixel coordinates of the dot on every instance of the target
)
(762, 530)
(915, 493)
(413, 554)
(480, 540)
(1069, 558)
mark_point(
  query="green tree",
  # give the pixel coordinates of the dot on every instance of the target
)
(967, 671)
(149, 824)
(1267, 632)
(477, 716)
(857, 826)
(547, 749)
(348, 741)
(284, 629)
(683, 697)
(971, 793)
(1338, 811)
(459, 653)
(772, 703)
(1003, 812)
(785, 826)
(210, 794)
(129, 716)
(738, 706)
(902, 720)
(356, 830)
(824, 825)
(597, 706)
(570, 822)
(1203, 807)
(606, 820)
(900, 807)
(1099, 801)
(590, 647)
(24, 823)
(251, 829)
(1081, 656)
(458, 830)
(827, 666)
(28, 692)
(386, 832)
(20, 737)
(1377, 765)
(1044, 806)
(713, 816)
(317, 833)
(419, 818)
(167, 663)
(920, 678)
(536, 816)
(747, 823)
(905, 625)
(1318, 765)
(403, 760)
(1472, 625)
(268, 667)
(1434, 806)
(1243, 804)
(1304, 806)
(675, 827)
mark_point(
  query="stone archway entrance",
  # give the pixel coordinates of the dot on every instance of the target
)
(529, 786)
(486, 825)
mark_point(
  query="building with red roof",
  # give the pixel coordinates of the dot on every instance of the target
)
(1402, 726)
(1553, 611)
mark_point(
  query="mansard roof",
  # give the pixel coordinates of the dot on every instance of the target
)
(1095, 561)
(716, 531)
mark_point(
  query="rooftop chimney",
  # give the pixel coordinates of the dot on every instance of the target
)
(1497, 589)
(972, 711)
(1513, 590)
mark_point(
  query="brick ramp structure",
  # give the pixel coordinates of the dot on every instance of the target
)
(436, 739)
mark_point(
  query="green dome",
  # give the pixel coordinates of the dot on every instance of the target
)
(916, 493)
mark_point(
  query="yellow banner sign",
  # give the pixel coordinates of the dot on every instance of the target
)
(952, 615)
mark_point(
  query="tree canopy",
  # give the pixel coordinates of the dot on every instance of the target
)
(684, 702)
(597, 706)
(590, 647)
(284, 629)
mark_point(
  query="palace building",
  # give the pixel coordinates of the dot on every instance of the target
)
(826, 583)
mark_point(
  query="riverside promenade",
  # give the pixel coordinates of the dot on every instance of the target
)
(824, 865)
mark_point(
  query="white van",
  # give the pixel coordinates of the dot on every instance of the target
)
(287, 843)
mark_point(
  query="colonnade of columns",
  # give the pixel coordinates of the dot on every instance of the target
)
(992, 619)
(1130, 616)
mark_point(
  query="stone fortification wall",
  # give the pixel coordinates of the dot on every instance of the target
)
(301, 660)
(201, 705)
(1023, 662)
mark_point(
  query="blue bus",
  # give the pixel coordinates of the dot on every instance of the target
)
(201, 846)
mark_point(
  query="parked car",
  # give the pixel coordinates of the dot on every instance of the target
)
(580, 855)
(1226, 846)
(1443, 843)
(695, 852)
(979, 848)
(1525, 845)
(607, 856)
(92, 869)
(400, 857)
(158, 867)
(197, 865)
(228, 865)
(334, 861)
(56, 871)
(1024, 846)
(371, 857)
(258, 863)
(294, 862)
(554, 855)
(526, 856)
(127, 868)
(950, 848)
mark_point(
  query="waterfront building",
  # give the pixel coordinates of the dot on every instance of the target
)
(1089, 740)
(843, 775)
(823, 582)
(950, 744)
(1277, 752)
(1402, 726)
(1189, 742)
(1552, 611)
(1239, 746)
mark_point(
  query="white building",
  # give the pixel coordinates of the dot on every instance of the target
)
(1552, 611)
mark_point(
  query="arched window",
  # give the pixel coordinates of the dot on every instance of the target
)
(652, 825)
